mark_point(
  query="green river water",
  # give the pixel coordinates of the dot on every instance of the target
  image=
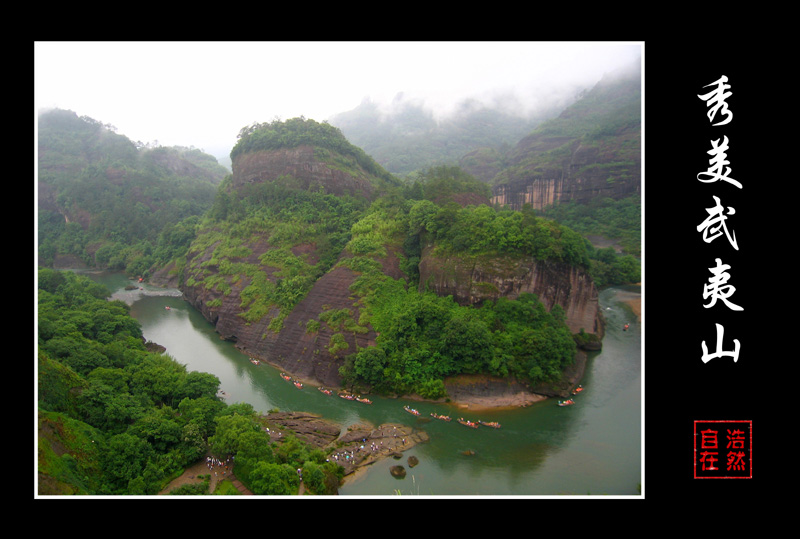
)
(591, 448)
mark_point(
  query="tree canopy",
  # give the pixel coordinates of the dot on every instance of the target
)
(116, 418)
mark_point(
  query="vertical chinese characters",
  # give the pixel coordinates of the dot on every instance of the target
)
(715, 225)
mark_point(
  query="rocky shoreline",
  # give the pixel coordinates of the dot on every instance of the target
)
(353, 447)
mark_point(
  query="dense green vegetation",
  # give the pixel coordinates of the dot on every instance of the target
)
(117, 418)
(610, 219)
(283, 218)
(424, 338)
(479, 229)
(422, 335)
(621, 219)
(443, 183)
(114, 204)
(610, 107)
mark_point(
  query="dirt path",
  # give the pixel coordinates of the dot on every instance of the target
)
(196, 473)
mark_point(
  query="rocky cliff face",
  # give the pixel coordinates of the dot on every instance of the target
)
(592, 150)
(299, 167)
(317, 333)
(302, 343)
(293, 347)
(584, 173)
(472, 281)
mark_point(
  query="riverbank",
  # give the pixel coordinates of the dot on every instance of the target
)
(633, 299)
(480, 392)
(477, 392)
(352, 447)
(636, 307)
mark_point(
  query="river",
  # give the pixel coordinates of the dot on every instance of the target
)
(591, 448)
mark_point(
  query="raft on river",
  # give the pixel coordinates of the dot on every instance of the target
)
(410, 410)
(467, 423)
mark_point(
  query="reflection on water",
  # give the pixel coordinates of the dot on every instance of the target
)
(593, 447)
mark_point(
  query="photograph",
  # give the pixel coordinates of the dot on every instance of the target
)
(386, 270)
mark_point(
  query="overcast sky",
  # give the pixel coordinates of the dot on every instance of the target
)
(202, 93)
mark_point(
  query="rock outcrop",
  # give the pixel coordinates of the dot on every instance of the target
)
(293, 348)
(300, 167)
(311, 337)
(471, 281)
(353, 447)
(296, 338)
(590, 152)
(585, 173)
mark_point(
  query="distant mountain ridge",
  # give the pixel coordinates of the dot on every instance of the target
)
(587, 150)
(411, 138)
(591, 151)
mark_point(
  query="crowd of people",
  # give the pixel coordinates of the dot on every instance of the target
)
(365, 448)
(218, 466)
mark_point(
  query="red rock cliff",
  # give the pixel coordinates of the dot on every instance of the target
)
(302, 167)
(302, 343)
(472, 281)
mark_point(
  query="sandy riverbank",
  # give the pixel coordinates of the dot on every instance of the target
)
(636, 307)
(632, 300)
(477, 404)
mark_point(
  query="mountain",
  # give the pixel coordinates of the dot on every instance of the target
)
(580, 162)
(309, 260)
(266, 262)
(409, 137)
(101, 194)
(591, 151)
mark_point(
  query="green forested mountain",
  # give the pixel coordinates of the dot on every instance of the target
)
(276, 254)
(299, 132)
(424, 337)
(580, 163)
(582, 168)
(109, 203)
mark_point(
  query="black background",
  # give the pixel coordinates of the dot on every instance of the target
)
(679, 387)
